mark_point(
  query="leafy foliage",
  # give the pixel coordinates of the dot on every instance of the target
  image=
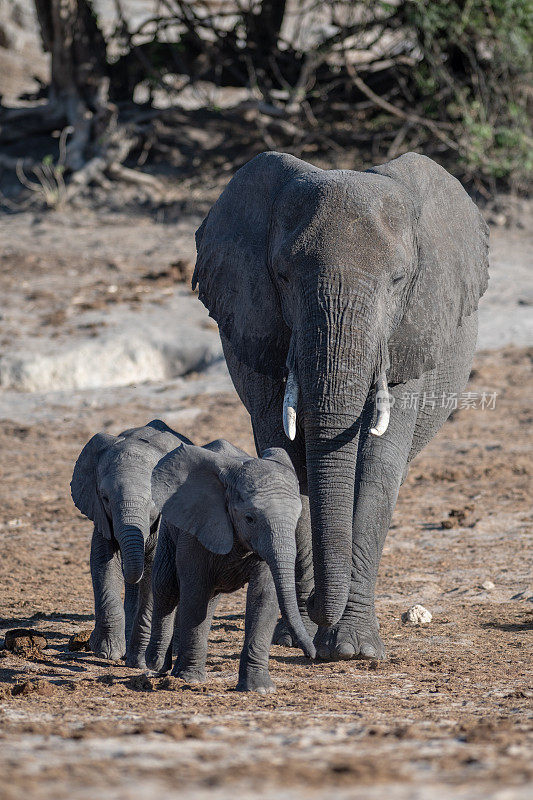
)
(476, 59)
(449, 77)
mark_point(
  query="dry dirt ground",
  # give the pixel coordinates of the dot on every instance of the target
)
(447, 714)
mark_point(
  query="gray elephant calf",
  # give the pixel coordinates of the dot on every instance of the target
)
(228, 519)
(112, 486)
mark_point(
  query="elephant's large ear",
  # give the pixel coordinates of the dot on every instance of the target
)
(83, 486)
(452, 271)
(232, 263)
(187, 485)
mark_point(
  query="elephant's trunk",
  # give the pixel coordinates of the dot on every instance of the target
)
(331, 453)
(131, 528)
(280, 555)
(338, 361)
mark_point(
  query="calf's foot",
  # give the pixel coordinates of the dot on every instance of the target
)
(135, 659)
(283, 635)
(106, 644)
(158, 661)
(255, 680)
(189, 674)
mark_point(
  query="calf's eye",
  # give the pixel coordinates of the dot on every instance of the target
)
(250, 519)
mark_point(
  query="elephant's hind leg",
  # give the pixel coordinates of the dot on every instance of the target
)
(381, 467)
(165, 600)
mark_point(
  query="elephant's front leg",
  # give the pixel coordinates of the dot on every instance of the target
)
(381, 466)
(260, 619)
(140, 630)
(195, 618)
(131, 599)
(108, 638)
(196, 608)
(304, 579)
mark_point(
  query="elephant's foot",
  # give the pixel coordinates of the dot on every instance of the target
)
(136, 660)
(350, 639)
(157, 661)
(189, 674)
(256, 681)
(283, 636)
(108, 645)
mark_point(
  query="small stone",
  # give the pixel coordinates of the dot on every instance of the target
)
(488, 585)
(80, 640)
(24, 642)
(417, 615)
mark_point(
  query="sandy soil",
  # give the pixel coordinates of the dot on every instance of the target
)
(448, 714)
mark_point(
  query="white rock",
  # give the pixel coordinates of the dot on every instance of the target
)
(488, 585)
(417, 615)
(152, 343)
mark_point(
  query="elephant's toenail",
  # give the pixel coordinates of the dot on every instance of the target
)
(367, 651)
(345, 651)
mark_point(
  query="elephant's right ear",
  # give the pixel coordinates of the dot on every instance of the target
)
(187, 485)
(232, 263)
(83, 486)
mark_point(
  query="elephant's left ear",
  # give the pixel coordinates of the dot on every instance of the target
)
(452, 270)
(83, 486)
(231, 270)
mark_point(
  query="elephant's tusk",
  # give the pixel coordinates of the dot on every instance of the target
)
(290, 405)
(383, 404)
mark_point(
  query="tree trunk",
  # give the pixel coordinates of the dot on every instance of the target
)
(79, 85)
(263, 29)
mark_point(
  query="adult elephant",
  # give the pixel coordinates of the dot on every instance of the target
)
(332, 287)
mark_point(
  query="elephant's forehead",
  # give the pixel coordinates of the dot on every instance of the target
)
(339, 200)
(132, 456)
(336, 216)
(258, 476)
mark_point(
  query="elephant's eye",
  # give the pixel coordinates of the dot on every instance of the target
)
(250, 519)
(283, 277)
(397, 278)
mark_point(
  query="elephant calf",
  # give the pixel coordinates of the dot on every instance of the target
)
(112, 486)
(227, 520)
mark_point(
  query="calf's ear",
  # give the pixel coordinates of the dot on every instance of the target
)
(187, 485)
(84, 486)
